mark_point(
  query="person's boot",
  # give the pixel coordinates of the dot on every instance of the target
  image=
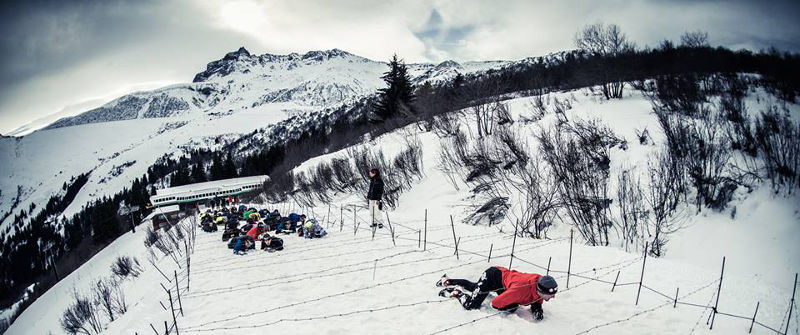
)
(451, 292)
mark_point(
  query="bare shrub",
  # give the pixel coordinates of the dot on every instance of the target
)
(103, 292)
(778, 139)
(446, 124)
(633, 214)
(125, 266)
(340, 175)
(81, 317)
(740, 130)
(578, 156)
(707, 159)
(605, 40)
(485, 96)
(166, 241)
(344, 173)
(118, 302)
(535, 185)
(151, 237)
(452, 155)
(694, 39)
(643, 136)
(680, 94)
(661, 199)
(537, 109)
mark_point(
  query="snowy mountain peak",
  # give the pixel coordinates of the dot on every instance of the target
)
(242, 61)
(238, 54)
(322, 55)
(448, 64)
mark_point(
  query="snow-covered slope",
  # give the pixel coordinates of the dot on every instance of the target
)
(350, 282)
(234, 95)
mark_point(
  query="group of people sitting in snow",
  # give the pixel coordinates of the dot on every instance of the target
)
(258, 224)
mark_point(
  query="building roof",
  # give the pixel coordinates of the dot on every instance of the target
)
(211, 185)
(162, 210)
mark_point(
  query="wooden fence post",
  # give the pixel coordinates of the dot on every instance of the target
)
(675, 303)
(791, 304)
(172, 308)
(355, 228)
(752, 322)
(178, 291)
(425, 240)
(719, 290)
(514, 245)
(615, 282)
(391, 229)
(490, 253)
(569, 263)
(548, 264)
(644, 261)
(328, 217)
(455, 241)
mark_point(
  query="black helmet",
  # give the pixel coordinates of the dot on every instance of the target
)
(547, 285)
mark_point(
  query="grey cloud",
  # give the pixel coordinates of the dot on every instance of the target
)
(57, 53)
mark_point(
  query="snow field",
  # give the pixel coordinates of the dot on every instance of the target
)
(327, 285)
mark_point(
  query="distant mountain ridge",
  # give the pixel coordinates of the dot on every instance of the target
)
(241, 80)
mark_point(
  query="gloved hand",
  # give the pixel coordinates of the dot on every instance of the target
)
(537, 311)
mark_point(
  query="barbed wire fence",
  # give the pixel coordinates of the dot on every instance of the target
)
(177, 285)
(676, 299)
(714, 309)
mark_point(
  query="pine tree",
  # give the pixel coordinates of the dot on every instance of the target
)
(398, 95)
(198, 174)
(181, 175)
(229, 168)
(217, 170)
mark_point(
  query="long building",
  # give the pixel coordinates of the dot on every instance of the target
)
(207, 191)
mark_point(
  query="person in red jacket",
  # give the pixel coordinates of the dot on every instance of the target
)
(256, 231)
(513, 288)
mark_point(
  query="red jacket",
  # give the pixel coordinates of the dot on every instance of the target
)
(254, 232)
(520, 289)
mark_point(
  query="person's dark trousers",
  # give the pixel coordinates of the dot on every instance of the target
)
(476, 293)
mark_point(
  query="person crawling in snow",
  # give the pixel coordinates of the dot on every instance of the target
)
(271, 244)
(513, 289)
(312, 229)
(243, 244)
(256, 231)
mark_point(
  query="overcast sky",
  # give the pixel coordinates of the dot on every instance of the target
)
(69, 56)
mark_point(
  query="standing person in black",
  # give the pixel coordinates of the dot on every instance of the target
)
(374, 196)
